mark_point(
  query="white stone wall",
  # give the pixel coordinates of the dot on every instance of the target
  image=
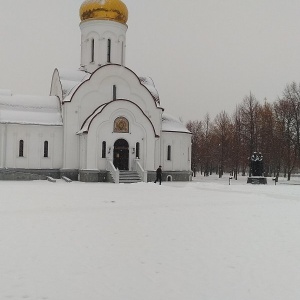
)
(180, 151)
(100, 31)
(33, 137)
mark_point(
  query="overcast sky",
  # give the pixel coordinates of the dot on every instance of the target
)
(204, 56)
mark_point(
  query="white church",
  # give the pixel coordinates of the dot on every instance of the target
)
(101, 122)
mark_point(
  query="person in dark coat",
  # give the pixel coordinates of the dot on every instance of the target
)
(158, 175)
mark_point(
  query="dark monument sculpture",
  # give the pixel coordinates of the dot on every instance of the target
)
(256, 169)
(256, 164)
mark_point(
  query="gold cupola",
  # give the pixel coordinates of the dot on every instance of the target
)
(112, 10)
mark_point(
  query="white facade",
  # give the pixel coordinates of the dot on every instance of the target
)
(102, 117)
(33, 137)
(102, 42)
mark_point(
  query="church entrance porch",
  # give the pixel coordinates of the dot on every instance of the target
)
(121, 154)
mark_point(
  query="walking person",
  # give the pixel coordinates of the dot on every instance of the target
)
(158, 175)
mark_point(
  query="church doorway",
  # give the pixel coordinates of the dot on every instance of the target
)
(121, 154)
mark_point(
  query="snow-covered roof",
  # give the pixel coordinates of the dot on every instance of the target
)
(172, 124)
(149, 84)
(25, 109)
(71, 79)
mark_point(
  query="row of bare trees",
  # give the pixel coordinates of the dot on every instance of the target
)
(226, 143)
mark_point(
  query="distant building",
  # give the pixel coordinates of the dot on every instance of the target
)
(98, 120)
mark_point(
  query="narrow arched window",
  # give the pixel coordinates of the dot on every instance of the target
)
(137, 150)
(114, 92)
(108, 50)
(169, 153)
(104, 149)
(92, 50)
(46, 149)
(21, 148)
(122, 54)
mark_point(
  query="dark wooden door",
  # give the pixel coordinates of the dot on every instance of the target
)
(121, 154)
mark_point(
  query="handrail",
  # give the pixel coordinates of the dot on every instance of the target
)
(137, 167)
(115, 173)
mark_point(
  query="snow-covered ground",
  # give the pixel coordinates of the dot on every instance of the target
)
(203, 240)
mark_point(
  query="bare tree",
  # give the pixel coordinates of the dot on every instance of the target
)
(292, 94)
(196, 128)
(222, 131)
(207, 148)
(249, 117)
(266, 142)
(238, 145)
(284, 120)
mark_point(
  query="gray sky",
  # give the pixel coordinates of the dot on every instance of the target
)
(204, 56)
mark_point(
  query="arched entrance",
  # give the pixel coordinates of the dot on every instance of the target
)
(121, 154)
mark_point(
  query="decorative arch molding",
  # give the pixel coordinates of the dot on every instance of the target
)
(86, 82)
(93, 35)
(87, 123)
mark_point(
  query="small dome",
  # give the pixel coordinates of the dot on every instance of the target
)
(113, 10)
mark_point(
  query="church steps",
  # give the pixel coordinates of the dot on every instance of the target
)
(129, 177)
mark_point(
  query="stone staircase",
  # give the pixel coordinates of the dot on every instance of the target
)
(129, 177)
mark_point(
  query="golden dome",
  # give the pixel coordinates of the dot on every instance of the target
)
(113, 10)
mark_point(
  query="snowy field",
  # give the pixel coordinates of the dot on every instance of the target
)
(203, 240)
